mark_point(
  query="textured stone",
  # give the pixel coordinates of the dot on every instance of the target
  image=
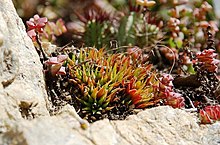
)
(21, 77)
(44, 131)
(216, 4)
(24, 119)
(161, 125)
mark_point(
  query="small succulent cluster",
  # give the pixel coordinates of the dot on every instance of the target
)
(189, 22)
(35, 26)
(55, 65)
(208, 66)
(44, 29)
(186, 22)
(102, 82)
(201, 94)
(97, 27)
(166, 92)
(125, 28)
(112, 83)
(109, 85)
(53, 30)
(210, 114)
(207, 60)
(42, 32)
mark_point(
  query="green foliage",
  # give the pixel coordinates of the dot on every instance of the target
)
(97, 33)
(134, 30)
(100, 80)
(130, 29)
(100, 84)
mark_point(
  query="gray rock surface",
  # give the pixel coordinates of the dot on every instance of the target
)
(157, 126)
(22, 90)
(24, 119)
(217, 7)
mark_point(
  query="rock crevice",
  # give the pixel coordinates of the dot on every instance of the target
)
(21, 77)
(25, 120)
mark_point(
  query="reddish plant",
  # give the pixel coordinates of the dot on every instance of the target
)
(47, 30)
(165, 91)
(207, 60)
(175, 100)
(55, 65)
(133, 92)
(209, 114)
(35, 26)
(52, 30)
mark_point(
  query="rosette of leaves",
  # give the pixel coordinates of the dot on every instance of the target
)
(53, 30)
(209, 114)
(109, 84)
(137, 26)
(132, 27)
(165, 91)
(44, 30)
(98, 27)
(36, 26)
(135, 30)
(207, 60)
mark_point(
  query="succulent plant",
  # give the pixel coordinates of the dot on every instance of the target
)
(209, 114)
(125, 28)
(35, 26)
(40, 29)
(52, 30)
(55, 65)
(101, 84)
(165, 91)
(135, 30)
(207, 60)
(99, 81)
(98, 27)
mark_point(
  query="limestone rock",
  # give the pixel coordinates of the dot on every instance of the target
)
(161, 125)
(21, 76)
(217, 7)
(24, 119)
(44, 131)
